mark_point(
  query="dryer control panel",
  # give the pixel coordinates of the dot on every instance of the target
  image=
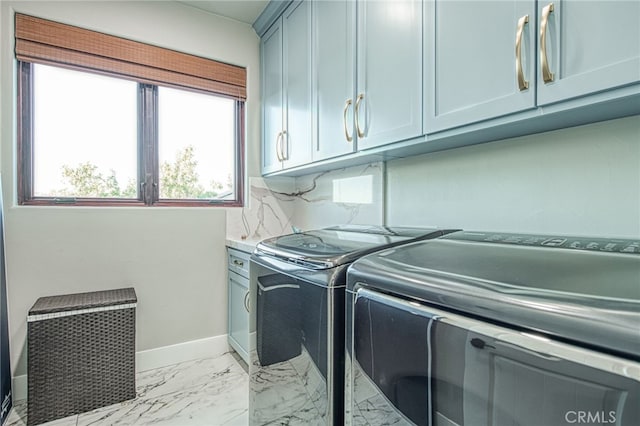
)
(613, 245)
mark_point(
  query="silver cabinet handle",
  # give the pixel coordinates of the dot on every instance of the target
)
(279, 147)
(246, 301)
(344, 120)
(547, 75)
(357, 114)
(522, 83)
(283, 144)
(238, 263)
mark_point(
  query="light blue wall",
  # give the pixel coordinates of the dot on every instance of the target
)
(581, 181)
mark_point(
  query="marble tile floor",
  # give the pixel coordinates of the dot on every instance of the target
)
(204, 392)
(291, 392)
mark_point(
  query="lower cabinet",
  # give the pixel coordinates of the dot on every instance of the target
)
(238, 290)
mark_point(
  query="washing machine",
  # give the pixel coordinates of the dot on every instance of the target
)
(297, 293)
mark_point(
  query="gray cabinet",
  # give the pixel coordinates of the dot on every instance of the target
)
(286, 85)
(388, 105)
(480, 60)
(238, 292)
(586, 47)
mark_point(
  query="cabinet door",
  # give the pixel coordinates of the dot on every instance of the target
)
(272, 98)
(590, 46)
(296, 142)
(389, 82)
(471, 60)
(239, 314)
(334, 75)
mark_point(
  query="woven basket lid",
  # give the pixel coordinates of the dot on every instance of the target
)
(94, 299)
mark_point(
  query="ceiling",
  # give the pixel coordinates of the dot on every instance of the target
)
(241, 10)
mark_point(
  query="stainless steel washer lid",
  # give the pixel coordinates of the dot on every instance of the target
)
(339, 245)
(554, 285)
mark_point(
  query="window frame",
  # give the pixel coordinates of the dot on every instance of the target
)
(147, 148)
(46, 42)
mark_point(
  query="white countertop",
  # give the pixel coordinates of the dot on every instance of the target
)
(246, 246)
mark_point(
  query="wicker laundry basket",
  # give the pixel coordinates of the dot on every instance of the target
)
(81, 353)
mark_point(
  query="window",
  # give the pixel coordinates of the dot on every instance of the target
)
(195, 145)
(133, 130)
(78, 149)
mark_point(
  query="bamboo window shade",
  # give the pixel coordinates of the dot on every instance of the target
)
(51, 43)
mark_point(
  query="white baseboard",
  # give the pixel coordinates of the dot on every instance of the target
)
(19, 388)
(181, 352)
(155, 358)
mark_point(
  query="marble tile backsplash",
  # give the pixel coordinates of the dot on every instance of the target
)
(351, 195)
(276, 206)
(268, 210)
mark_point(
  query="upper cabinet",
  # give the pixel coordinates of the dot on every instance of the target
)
(490, 59)
(286, 88)
(297, 133)
(352, 81)
(272, 98)
(586, 47)
(368, 83)
(480, 57)
(388, 104)
(334, 77)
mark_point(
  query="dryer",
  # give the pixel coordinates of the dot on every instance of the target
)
(479, 328)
